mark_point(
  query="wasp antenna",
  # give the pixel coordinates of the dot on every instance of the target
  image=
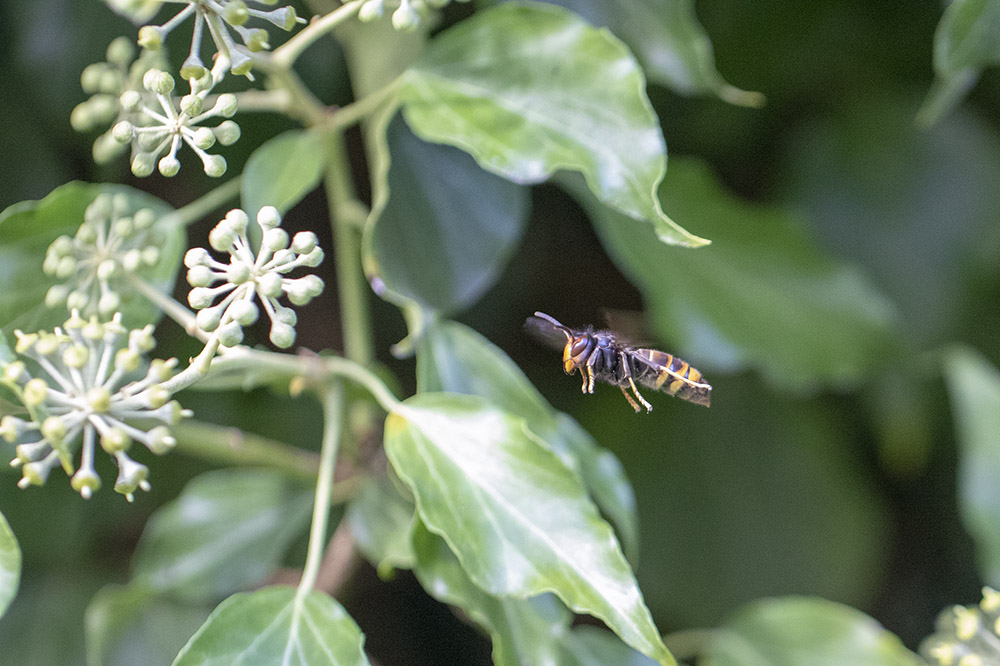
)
(565, 329)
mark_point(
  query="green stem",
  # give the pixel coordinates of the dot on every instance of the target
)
(205, 204)
(352, 114)
(333, 408)
(286, 54)
(170, 307)
(348, 216)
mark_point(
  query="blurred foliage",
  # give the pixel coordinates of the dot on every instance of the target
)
(791, 484)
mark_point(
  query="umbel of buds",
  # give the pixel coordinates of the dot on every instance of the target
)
(162, 123)
(223, 18)
(967, 635)
(115, 241)
(406, 15)
(86, 395)
(247, 278)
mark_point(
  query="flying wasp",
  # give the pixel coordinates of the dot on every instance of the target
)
(601, 356)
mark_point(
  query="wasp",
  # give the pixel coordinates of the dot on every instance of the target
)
(601, 356)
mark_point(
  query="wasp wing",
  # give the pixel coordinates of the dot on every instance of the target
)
(665, 372)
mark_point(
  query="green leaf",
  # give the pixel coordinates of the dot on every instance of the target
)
(28, 228)
(274, 626)
(112, 610)
(804, 631)
(226, 531)
(671, 45)
(762, 296)
(966, 41)
(974, 385)
(530, 89)
(456, 359)
(523, 631)
(592, 646)
(447, 229)
(10, 565)
(282, 171)
(382, 522)
(518, 520)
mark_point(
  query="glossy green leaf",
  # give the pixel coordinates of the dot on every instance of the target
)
(518, 520)
(671, 45)
(273, 626)
(382, 522)
(966, 41)
(523, 631)
(28, 228)
(530, 89)
(282, 171)
(10, 565)
(974, 385)
(227, 531)
(447, 228)
(804, 631)
(454, 358)
(762, 296)
(112, 610)
(894, 207)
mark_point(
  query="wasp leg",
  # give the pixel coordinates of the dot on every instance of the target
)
(632, 402)
(628, 375)
(589, 365)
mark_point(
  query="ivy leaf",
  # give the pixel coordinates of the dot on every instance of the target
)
(281, 172)
(480, 479)
(226, 531)
(592, 646)
(671, 45)
(804, 631)
(530, 89)
(762, 296)
(966, 41)
(28, 228)
(523, 631)
(382, 522)
(454, 358)
(445, 231)
(10, 565)
(974, 385)
(274, 626)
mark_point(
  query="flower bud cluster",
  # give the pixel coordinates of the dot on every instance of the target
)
(86, 395)
(407, 14)
(247, 278)
(165, 122)
(114, 242)
(105, 82)
(967, 635)
(223, 18)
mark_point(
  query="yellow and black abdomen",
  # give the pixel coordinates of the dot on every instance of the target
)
(665, 372)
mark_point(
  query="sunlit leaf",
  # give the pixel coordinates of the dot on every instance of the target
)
(762, 296)
(447, 228)
(671, 45)
(454, 358)
(10, 565)
(28, 228)
(282, 171)
(974, 385)
(518, 520)
(530, 89)
(226, 531)
(274, 626)
(381, 522)
(966, 41)
(523, 631)
(804, 631)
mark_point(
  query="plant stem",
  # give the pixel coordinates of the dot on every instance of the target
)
(170, 307)
(333, 409)
(355, 112)
(348, 216)
(232, 446)
(205, 204)
(286, 54)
